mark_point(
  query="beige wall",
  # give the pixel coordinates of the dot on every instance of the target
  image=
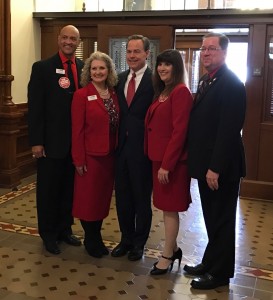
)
(25, 46)
(26, 42)
(55, 5)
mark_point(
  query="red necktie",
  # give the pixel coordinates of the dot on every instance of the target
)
(131, 89)
(70, 76)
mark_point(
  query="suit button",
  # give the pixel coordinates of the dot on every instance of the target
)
(149, 129)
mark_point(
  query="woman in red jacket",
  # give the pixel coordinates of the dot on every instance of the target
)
(95, 117)
(165, 142)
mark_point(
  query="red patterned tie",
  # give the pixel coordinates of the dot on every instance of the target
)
(131, 89)
(203, 85)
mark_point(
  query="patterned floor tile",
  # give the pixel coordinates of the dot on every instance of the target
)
(27, 271)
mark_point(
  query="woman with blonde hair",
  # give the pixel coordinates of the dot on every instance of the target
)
(95, 118)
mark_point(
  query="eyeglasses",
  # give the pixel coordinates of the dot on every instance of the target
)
(209, 49)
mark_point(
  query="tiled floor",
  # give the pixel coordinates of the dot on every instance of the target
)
(27, 271)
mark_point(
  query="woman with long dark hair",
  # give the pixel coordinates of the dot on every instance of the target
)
(165, 143)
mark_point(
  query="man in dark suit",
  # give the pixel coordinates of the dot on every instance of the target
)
(216, 159)
(50, 92)
(133, 181)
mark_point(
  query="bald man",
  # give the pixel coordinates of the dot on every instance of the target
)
(50, 92)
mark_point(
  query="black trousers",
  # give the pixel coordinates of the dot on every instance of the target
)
(219, 210)
(133, 189)
(55, 180)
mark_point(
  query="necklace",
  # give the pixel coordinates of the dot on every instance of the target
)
(162, 98)
(103, 93)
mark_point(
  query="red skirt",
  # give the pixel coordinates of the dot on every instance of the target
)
(93, 191)
(175, 195)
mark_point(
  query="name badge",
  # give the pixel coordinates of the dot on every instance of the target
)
(92, 97)
(60, 71)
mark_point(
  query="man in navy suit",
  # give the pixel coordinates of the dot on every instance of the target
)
(133, 181)
(216, 159)
(50, 92)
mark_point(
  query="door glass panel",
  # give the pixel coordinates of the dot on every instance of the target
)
(195, 70)
(271, 99)
(191, 59)
(237, 59)
(79, 51)
(269, 93)
(271, 48)
(117, 51)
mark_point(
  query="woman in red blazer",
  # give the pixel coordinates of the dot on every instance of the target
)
(165, 143)
(95, 117)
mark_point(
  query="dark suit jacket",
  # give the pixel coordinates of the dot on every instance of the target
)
(215, 126)
(49, 107)
(90, 124)
(131, 128)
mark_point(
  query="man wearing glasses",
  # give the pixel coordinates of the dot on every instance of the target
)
(216, 160)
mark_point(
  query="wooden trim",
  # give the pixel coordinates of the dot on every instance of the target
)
(164, 34)
(256, 190)
(24, 159)
(254, 88)
(158, 13)
(207, 18)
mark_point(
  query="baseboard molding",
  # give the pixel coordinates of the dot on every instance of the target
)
(258, 190)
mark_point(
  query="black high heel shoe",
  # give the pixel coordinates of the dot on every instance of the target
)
(156, 271)
(177, 255)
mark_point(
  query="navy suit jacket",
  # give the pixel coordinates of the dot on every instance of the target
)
(131, 129)
(49, 107)
(216, 121)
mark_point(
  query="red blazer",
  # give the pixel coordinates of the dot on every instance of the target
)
(166, 128)
(90, 124)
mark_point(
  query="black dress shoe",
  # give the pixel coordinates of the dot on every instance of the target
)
(95, 248)
(121, 250)
(104, 250)
(71, 240)
(136, 253)
(208, 282)
(94, 251)
(52, 247)
(197, 270)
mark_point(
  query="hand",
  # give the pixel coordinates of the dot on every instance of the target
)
(212, 180)
(163, 176)
(81, 170)
(38, 151)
